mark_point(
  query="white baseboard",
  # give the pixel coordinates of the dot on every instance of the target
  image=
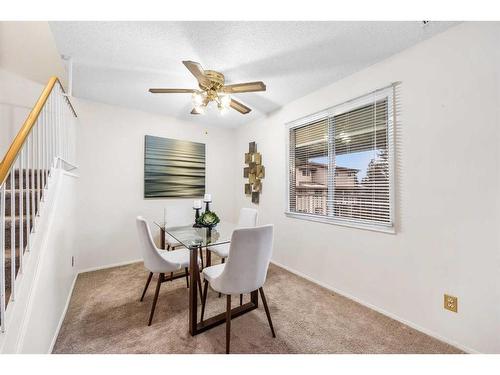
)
(378, 309)
(91, 269)
(63, 315)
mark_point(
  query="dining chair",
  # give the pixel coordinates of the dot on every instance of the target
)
(247, 218)
(244, 271)
(161, 262)
(170, 244)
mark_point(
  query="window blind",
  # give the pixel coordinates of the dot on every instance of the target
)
(340, 163)
(309, 173)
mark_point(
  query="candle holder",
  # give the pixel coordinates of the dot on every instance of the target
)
(196, 217)
(207, 199)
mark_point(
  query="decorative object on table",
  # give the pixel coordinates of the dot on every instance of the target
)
(197, 208)
(207, 199)
(208, 219)
(255, 172)
(173, 168)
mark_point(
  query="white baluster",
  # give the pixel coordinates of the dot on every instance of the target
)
(12, 230)
(44, 152)
(21, 209)
(52, 127)
(38, 168)
(59, 124)
(29, 174)
(47, 140)
(51, 139)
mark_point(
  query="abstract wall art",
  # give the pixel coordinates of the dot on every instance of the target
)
(255, 172)
(173, 168)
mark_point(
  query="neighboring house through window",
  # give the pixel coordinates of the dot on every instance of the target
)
(340, 163)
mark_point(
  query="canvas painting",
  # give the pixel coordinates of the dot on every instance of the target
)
(173, 168)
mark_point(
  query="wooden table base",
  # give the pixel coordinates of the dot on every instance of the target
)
(196, 327)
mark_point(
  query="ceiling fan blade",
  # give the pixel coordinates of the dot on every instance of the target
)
(244, 87)
(196, 70)
(240, 107)
(195, 112)
(172, 91)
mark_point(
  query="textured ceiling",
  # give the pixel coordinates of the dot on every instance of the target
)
(116, 62)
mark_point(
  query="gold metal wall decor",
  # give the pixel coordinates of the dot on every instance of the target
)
(255, 172)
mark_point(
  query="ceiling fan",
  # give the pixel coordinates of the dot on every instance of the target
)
(212, 89)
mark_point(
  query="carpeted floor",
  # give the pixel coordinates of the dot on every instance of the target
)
(105, 316)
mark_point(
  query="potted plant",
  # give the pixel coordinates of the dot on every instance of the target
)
(208, 219)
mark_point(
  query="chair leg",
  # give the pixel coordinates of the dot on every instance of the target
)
(228, 323)
(160, 280)
(146, 287)
(199, 286)
(222, 262)
(204, 298)
(187, 277)
(264, 302)
(241, 299)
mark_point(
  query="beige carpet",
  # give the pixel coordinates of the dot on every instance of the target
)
(105, 316)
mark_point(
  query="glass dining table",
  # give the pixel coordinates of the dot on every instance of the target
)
(196, 240)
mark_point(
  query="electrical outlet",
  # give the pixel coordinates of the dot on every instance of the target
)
(451, 303)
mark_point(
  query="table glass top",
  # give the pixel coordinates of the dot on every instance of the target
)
(192, 237)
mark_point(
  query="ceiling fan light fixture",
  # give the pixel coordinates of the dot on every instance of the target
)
(223, 109)
(199, 109)
(212, 89)
(198, 99)
(225, 100)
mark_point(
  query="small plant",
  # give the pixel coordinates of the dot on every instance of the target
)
(208, 219)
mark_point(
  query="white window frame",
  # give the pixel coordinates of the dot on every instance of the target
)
(366, 99)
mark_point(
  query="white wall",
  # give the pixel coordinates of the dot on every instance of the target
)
(54, 284)
(448, 182)
(17, 96)
(28, 58)
(28, 49)
(110, 147)
(44, 288)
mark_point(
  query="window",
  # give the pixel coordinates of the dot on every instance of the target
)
(340, 163)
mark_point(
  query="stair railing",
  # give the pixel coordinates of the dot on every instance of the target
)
(45, 141)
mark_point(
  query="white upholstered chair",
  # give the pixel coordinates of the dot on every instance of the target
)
(171, 243)
(245, 270)
(247, 219)
(161, 262)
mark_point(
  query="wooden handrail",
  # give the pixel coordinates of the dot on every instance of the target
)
(25, 130)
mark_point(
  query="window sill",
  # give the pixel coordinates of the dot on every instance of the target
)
(345, 223)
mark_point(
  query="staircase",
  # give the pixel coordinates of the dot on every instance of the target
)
(13, 222)
(44, 143)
